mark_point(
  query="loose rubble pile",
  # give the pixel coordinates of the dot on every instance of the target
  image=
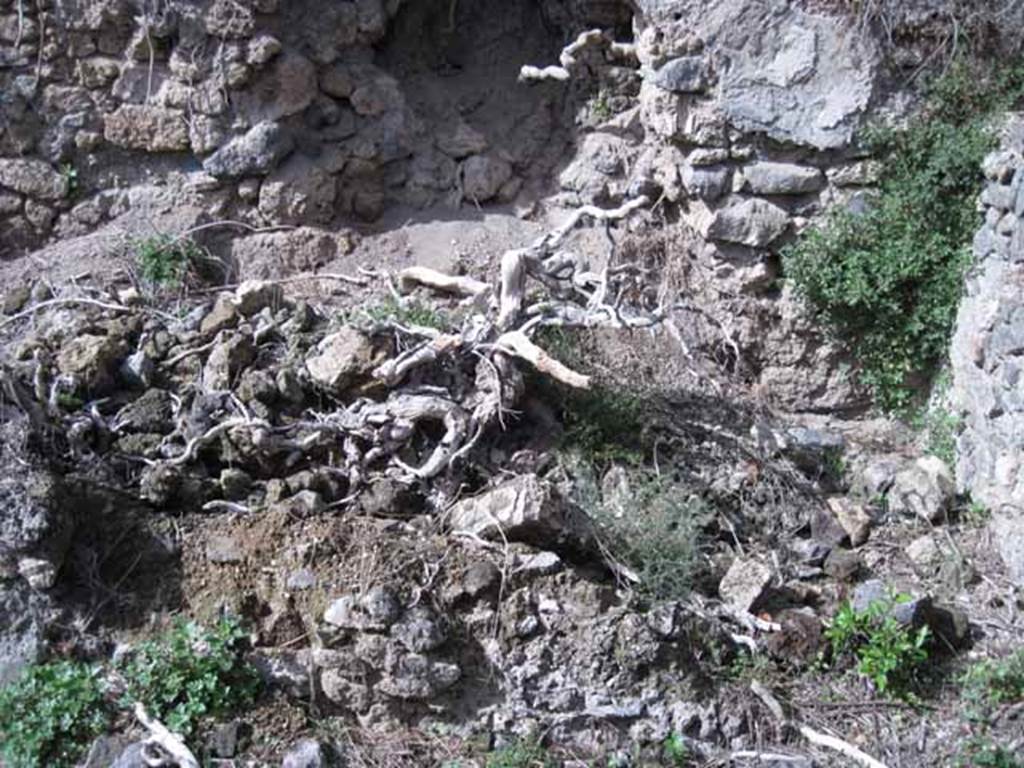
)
(276, 428)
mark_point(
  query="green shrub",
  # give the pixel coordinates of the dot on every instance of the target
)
(50, 715)
(888, 280)
(653, 529)
(189, 674)
(888, 653)
(165, 261)
(523, 753)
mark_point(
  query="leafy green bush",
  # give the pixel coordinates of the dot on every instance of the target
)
(888, 280)
(888, 653)
(523, 753)
(190, 673)
(165, 261)
(50, 715)
(653, 529)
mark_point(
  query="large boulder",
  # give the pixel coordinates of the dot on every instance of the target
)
(796, 74)
(483, 176)
(255, 153)
(525, 509)
(767, 178)
(147, 128)
(92, 361)
(33, 178)
(754, 223)
(286, 88)
(925, 489)
(342, 360)
(299, 192)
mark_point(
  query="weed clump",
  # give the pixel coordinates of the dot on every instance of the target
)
(523, 753)
(51, 714)
(190, 674)
(888, 280)
(164, 261)
(406, 313)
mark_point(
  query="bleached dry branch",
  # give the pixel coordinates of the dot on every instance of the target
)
(163, 749)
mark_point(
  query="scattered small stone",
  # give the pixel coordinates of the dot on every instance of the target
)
(235, 483)
(223, 741)
(419, 630)
(745, 583)
(306, 754)
(222, 316)
(301, 505)
(300, 580)
(131, 757)
(843, 565)
(342, 359)
(224, 549)
(925, 489)
(39, 573)
(254, 296)
(855, 521)
(375, 611)
(539, 564)
(417, 678)
(924, 553)
(287, 670)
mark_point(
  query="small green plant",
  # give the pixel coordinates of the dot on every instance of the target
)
(975, 513)
(888, 280)
(675, 751)
(991, 683)
(406, 313)
(888, 653)
(69, 401)
(70, 176)
(191, 673)
(165, 261)
(980, 752)
(601, 106)
(50, 715)
(653, 529)
(523, 753)
(835, 464)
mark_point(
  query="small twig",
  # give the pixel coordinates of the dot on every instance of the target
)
(91, 302)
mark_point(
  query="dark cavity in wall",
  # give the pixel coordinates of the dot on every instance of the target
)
(457, 63)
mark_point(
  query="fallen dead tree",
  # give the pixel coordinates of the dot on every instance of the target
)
(417, 408)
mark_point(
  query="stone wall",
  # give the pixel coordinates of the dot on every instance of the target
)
(988, 354)
(297, 113)
(740, 118)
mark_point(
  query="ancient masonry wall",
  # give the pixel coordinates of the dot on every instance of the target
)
(988, 354)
